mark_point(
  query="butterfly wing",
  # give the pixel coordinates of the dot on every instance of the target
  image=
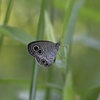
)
(44, 52)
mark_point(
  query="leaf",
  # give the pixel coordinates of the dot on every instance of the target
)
(88, 41)
(49, 29)
(68, 91)
(16, 34)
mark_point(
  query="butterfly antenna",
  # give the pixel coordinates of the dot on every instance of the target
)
(60, 37)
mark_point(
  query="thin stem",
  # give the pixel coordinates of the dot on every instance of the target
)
(40, 35)
(68, 92)
(30, 95)
(8, 12)
(34, 83)
(71, 26)
(49, 79)
(68, 12)
(6, 19)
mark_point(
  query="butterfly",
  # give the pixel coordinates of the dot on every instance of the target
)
(44, 52)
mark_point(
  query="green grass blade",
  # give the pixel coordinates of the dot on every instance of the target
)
(51, 37)
(68, 92)
(68, 11)
(34, 83)
(16, 34)
(49, 29)
(88, 41)
(8, 12)
(54, 86)
(70, 27)
(68, 30)
(48, 79)
(40, 35)
(7, 15)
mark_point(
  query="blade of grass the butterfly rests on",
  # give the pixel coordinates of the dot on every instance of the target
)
(71, 25)
(61, 64)
(68, 10)
(16, 34)
(68, 91)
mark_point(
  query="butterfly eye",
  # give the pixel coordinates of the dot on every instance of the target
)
(35, 48)
(39, 51)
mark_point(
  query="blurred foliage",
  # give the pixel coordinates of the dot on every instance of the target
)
(16, 63)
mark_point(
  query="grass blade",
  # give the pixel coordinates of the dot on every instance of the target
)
(8, 12)
(49, 29)
(16, 34)
(71, 25)
(68, 92)
(68, 11)
(40, 35)
(50, 36)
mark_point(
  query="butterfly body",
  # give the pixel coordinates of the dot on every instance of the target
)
(44, 52)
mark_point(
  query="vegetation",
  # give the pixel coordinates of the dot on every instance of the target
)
(75, 75)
